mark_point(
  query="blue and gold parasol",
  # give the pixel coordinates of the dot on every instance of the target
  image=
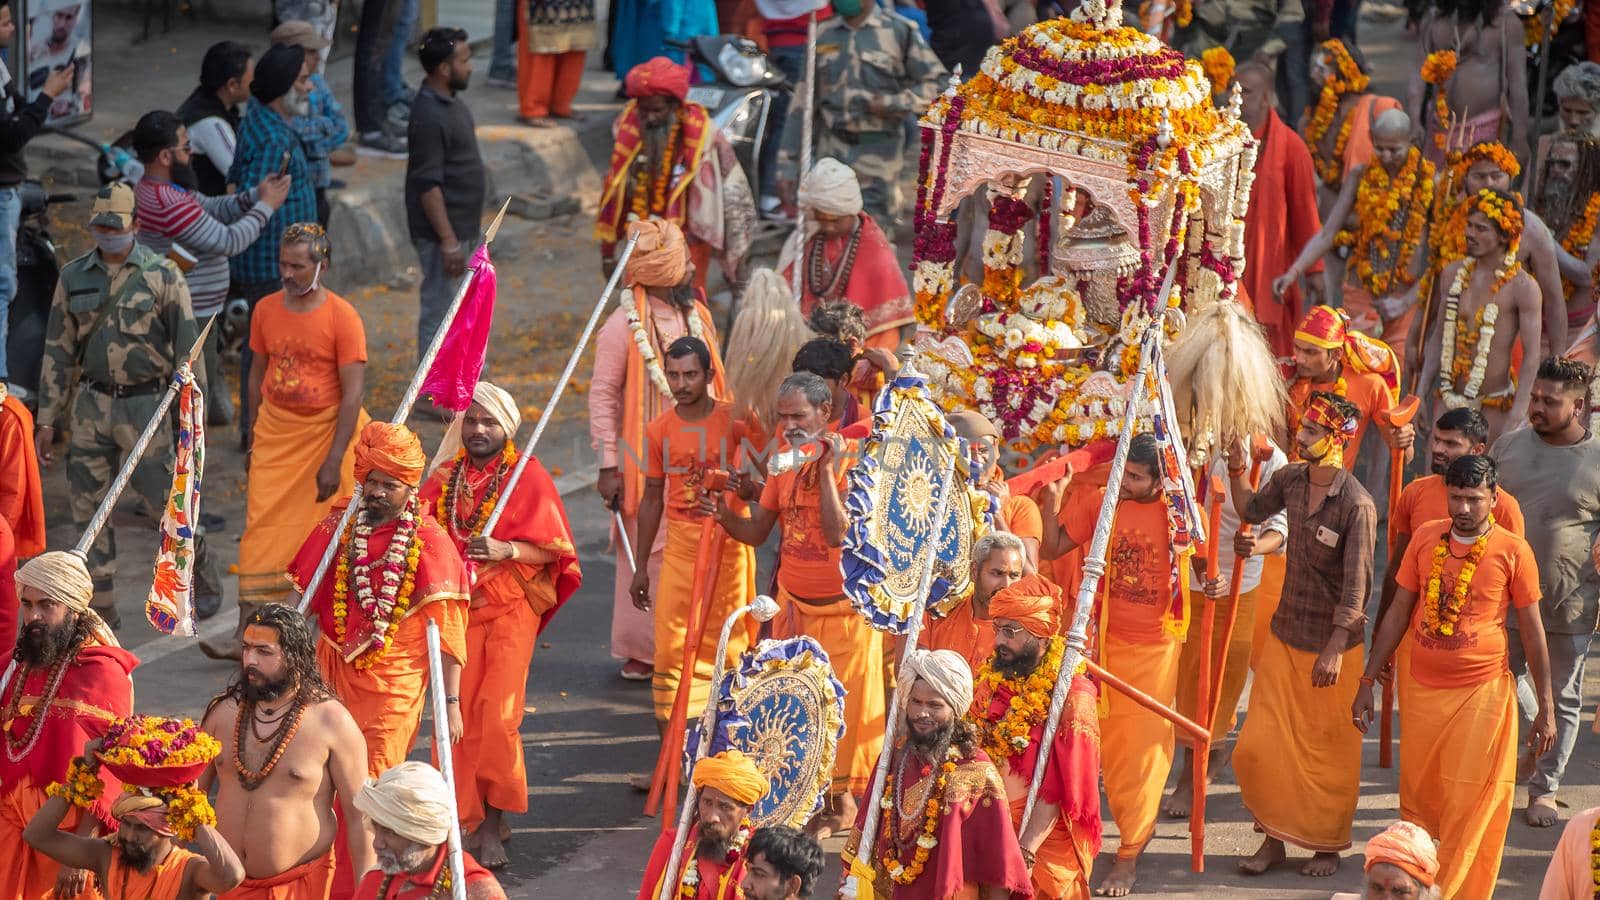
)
(892, 499)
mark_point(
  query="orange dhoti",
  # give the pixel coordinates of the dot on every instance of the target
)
(1268, 593)
(1062, 863)
(1135, 743)
(281, 506)
(1458, 762)
(308, 881)
(1236, 664)
(735, 585)
(28, 874)
(856, 652)
(1298, 759)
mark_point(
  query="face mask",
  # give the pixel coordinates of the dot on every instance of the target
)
(848, 8)
(291, 287)
(114, 244)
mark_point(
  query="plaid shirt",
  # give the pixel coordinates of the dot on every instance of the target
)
(264, 136)
(321, 131)
(1328, 574)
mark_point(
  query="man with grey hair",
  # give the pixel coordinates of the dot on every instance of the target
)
(804, 491)
(962, 624)
(411, 812)
(1577, 91)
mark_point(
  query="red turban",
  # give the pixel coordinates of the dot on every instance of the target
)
(658, 77)
(1033, 602)
(1330, 329)
(1408, 847)
(391, 449)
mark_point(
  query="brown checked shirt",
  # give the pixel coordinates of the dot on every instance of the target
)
(1329, 565)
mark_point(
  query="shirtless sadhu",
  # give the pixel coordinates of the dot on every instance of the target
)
(289, 749)
(1487, 96)
(1487, 303)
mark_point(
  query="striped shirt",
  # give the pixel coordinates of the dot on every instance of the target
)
(210, 228)
(264, 136)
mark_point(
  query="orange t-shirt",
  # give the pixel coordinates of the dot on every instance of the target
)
(1138, 575)
(1427, 499)
(807, 566)
(304, 351)
(1507, 576)
(678, 451)
(1020, 516)
(1366, 390)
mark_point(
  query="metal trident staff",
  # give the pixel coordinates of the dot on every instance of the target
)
(403, 411)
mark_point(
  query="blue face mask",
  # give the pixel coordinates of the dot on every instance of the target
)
(848, 8)
(114, 244)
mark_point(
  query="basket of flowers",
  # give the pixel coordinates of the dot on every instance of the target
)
(157, 751)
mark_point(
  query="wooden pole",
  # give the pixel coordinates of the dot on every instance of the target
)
(1200, 755)
(1396, 417)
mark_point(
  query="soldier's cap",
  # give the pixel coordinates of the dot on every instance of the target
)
(301, 33)
(113, 207)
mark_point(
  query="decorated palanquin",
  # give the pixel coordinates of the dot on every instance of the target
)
(1136, 167)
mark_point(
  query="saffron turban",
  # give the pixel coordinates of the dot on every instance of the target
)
(391, 449)
(1323, 327)
(410, 800)
(658, 77)
(1032, 602)
(830, 188)
(945, 671)
(62, 576)
(661, 258)
(148, 811)
(1322, 410)
(495, 401)
(1407, 846)
(734, 774)
(1330, 329)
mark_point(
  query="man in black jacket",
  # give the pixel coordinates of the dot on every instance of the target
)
(20, 120)
(211, 114)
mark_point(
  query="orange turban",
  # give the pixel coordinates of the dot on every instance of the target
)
(661, 258)
(391, 449)
(1330, 329)
(1032, 602)
(658, 77)
(1407, 846)
(734, 774)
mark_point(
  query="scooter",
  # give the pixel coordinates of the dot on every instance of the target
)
(740, 95)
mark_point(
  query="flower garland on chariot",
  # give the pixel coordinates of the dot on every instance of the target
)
(1346, 80)
(1466, 350)
(1390, 215)
(383, 586)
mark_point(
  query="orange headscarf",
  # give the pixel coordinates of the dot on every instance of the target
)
(661, 258)
(734, 774)
(658, 77)
(391, 449)
(1032, 602)
(1407, 846)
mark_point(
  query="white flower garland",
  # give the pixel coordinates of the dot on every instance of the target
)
(652, 362)
(1480, 353)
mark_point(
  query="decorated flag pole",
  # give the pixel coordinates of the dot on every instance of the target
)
(442, 748)
(409, 398)
(763, 609)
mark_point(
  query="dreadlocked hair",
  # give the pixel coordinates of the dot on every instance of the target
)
(299, 651)
(1567, 206)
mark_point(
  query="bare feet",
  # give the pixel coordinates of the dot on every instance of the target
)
(1321, 865)
(1270, 854)
(1542, 812)
(1178, 803)
(491, 849)
(1119, 881)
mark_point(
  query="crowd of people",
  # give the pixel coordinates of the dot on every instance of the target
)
(1434, 241)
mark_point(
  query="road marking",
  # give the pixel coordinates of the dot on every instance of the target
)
(162, 647)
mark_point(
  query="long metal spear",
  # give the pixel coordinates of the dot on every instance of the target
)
(762, 609)
(403, 411)
(441, 746)
(807, 107)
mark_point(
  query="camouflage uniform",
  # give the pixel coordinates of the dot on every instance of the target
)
(114, 336)
(869, 79)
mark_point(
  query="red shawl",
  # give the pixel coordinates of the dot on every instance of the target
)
(1283, 218)
(1072, 777)
(695, 138)
(96, 689)
(480, 881)
(876, 284)
(712, 885)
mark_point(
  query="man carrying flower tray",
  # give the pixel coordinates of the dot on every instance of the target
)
(159, 807)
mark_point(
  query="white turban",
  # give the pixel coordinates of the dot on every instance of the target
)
(410, 800)
(63, 577)
(946, 671)
(830, 188)
(497, 403)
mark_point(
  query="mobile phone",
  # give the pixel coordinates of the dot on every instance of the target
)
(283, 167)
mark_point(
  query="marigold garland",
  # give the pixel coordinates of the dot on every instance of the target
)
(1594, 855)
(889, 830)
(1579, 234)
(1437, 69)
(1534, 26)
(1030, 703)
(1440, 617)
(397, 571)
(650, 188)
(447, 508)
(82, 786)
(157, 742)
(1390, 216)
(1218, 65)
(1347, 80)
(1480, 337)
(689, 877)
(187, 809)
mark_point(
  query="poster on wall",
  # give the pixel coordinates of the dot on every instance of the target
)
(56, 34)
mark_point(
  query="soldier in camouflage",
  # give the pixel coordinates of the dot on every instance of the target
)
(873, 71)
(119, 323)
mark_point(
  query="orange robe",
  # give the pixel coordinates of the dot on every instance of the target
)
(308, 881)
(812, 602)
(164, 879)
(95, 690)
(960, 630)
(1366, 390)
(511, 604)
(1283, 218)
(481, 883)
(21, 497)
(1358, 149)
(8, 591)
(387, 691)
(1458, 708)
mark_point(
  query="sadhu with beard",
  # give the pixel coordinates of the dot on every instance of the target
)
(143, 859)
(411, 815)
(291, 754)
(713, 863)
(974, 851)
(1010, 703)
(69, 681)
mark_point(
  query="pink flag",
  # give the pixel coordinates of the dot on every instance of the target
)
(455, 370)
